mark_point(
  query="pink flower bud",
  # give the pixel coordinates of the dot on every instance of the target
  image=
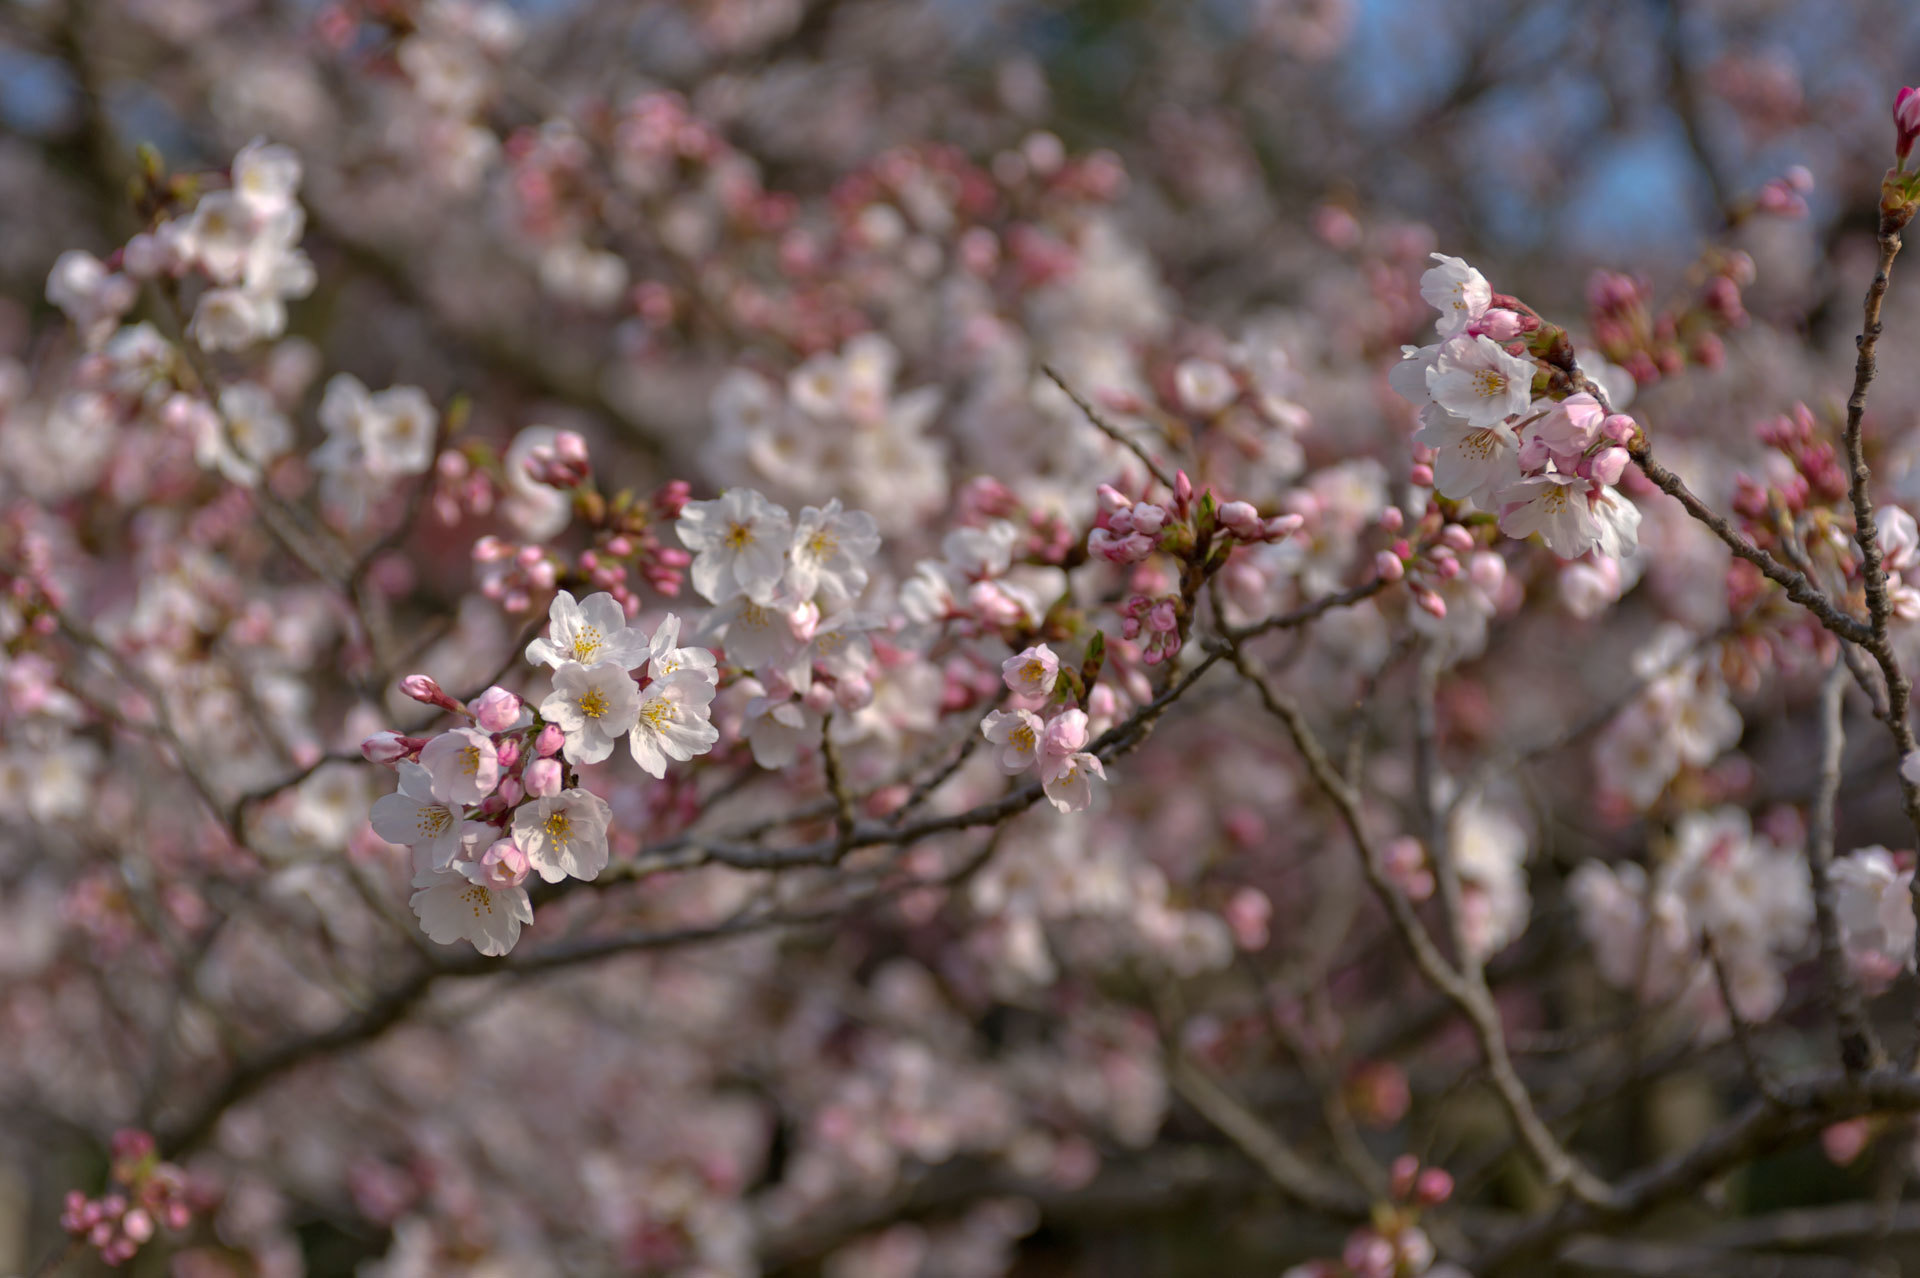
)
(1421, 476)
(1402, 1175)
(1182, 492)
(1434, 1186)
(854, 693)
(1619, 428)
(549, 741)
(496, 709)
(569, 446)
(1066, 733)
(542, 778)
(386, 747)
(424, 689)
(1241, 519)
(1281, 527)
(1430, 602)
(1389, 566)
(1906, 120)
(1456, 538)
(1500, 324)
(1608, 465)
(1149, 518)
(1112, 500)
(818, 698)
(138, 1226)
(1392, 519)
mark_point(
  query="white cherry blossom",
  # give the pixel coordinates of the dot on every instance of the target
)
(1475, 378)
(564, 835)
(594, 706)
(674, 722)
(414, 816)
(739, 542)
(588, 632)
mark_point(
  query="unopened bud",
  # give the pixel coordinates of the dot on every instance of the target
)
(496, 709)
(1241, 519)
(549, 741)
(1389, 566)
(542, 778)
(423, 689)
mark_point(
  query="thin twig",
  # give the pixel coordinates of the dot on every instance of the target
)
(1859, 1049)
(1108, 429)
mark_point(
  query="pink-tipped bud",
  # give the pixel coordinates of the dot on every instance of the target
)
(1112, 500)
(1433, 1187)
(1421, 476)
(496, 709)
(570, 446)
(1281, 527)
(1608, 465)
(1149, 518)
(1392, 519)
(542, 778)
(1182, 492)
(1431, 602)
(1620, 428)
(854, 693)
(549, 741)
(387, 747)
(1500, 324)
(423, 689)
(1241, 519)
(1456, 538)
(818, 698)
(1402, 1175)
(1389, 566)
(1906, 120)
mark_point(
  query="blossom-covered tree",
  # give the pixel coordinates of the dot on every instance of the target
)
(730, 637)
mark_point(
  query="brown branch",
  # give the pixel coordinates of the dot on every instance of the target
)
(1805, 1106)
(1467, 989)
(1798, 587)
(1294, 1175)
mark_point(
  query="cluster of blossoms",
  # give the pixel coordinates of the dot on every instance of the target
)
(1873, 900)
(484, 806)
(1056, 745)
(1723, 892)
(242, 243)
(1393, 1245)
(148, 1195)
(785, 593)
(1545, 464)
(1682, 719)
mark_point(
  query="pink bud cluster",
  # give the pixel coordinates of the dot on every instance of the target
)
(1653, 345)
(1157, 621)
(1815, 475)
(626, 544)
(148, 1195)
(1393, 1245)
(515, 757)
(1128, 531)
